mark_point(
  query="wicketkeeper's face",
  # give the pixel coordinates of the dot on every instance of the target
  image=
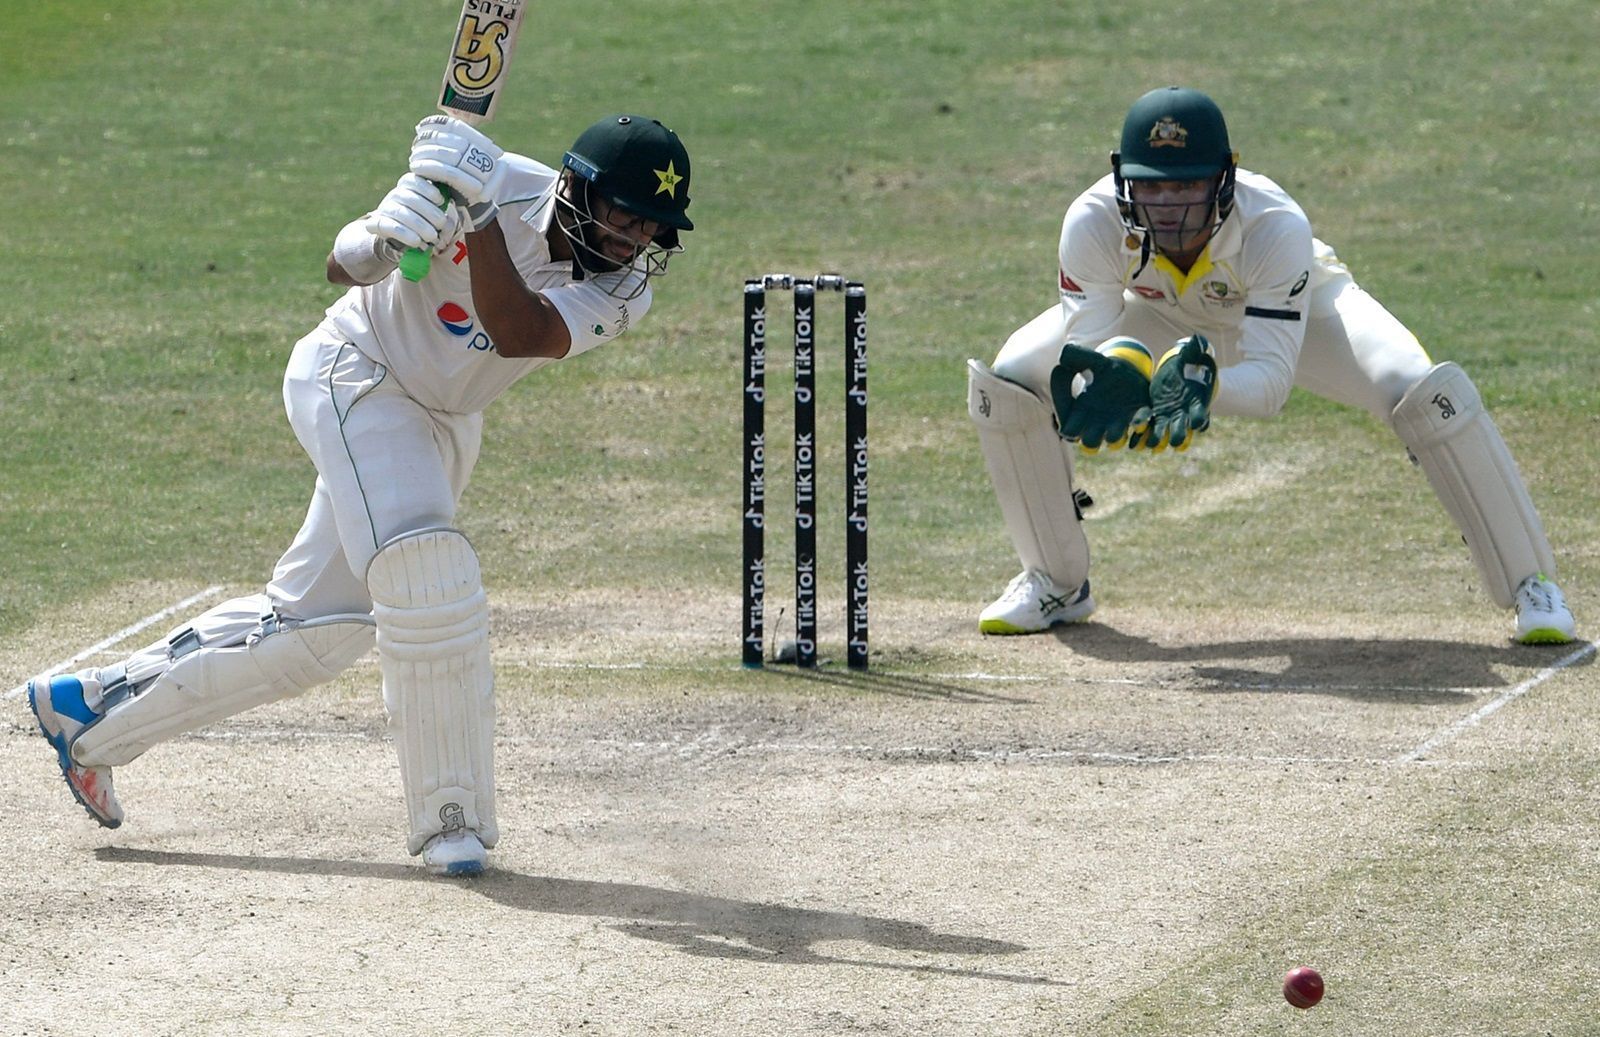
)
(1178, 213)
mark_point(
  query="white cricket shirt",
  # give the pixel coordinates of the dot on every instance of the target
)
(1249, 292)
(431, 339)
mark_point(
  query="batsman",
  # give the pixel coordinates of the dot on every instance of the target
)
(1192, 288)
(530, 265)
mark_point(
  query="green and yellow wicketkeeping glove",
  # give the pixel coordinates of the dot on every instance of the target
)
(1100, 408)
(1181, 391)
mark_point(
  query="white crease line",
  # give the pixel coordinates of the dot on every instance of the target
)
(1449, 733)
(713, 746)
(1162, 682)
(125, 632)
(943, 754)
(826, 671)
(981, 677)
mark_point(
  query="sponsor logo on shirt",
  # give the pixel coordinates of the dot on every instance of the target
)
(458, 322)
(1070, 286)
(618, 326)
(1148, 293)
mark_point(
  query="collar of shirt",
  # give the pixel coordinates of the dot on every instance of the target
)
(541, 212)
(541, 215)
(1224, 245)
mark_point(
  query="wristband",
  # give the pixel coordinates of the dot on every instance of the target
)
(365, 257)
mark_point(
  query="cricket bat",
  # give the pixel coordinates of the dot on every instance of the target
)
(473, 78)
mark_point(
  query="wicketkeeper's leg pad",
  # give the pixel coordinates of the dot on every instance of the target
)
(202, 684)
(438, 686)
(1032, 474)
(1442, 421)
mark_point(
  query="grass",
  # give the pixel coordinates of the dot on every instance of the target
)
(169, 216)
(179, 210)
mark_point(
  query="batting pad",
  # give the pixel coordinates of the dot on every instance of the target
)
(1442, 422)
(1032, 472)
(438, 687)
(206, 684)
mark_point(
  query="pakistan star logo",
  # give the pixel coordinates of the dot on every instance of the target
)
(669, 180)
(1166, 133)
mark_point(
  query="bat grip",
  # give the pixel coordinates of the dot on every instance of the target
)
(416, 262)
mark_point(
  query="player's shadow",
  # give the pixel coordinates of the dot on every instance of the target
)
(705, 926)
(1395, 670)
(896, 685)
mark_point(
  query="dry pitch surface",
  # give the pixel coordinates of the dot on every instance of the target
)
(1123, 828)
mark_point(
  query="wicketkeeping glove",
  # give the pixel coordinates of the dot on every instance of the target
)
(455, 155)
(412, 215)
(1180, 395)
(1099, 408)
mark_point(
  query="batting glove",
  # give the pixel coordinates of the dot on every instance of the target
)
(476, 217)
(412, 215)
(453, 154)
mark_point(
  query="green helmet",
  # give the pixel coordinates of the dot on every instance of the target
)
(638, 164)
(1173, 134)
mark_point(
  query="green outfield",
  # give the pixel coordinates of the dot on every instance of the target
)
(175, 174)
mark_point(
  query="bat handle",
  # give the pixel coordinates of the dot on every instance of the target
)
(416, 262)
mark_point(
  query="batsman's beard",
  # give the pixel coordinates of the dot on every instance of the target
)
(588, 236)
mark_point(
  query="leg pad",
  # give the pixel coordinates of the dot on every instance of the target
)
(1032, 472)
(205, 684)
(438, 686)
(1442, 421)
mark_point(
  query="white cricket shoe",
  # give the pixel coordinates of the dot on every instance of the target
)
(458, 854)
(57, 702)
(1542, 614)
(1033, 602)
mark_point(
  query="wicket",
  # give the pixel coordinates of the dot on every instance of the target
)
(805, 459)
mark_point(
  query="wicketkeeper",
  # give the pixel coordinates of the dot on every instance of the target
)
(1192, 288)
(531, 265)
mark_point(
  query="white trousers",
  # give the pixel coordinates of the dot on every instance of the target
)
(1355, 352)
(386, 465)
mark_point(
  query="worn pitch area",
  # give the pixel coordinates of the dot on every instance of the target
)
(1119, 828)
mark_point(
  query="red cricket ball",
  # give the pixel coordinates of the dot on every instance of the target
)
(1302, 986)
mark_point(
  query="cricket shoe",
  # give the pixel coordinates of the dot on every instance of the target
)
(458, 854)
(57, 702)
(1542, 614)
(1032, 603)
